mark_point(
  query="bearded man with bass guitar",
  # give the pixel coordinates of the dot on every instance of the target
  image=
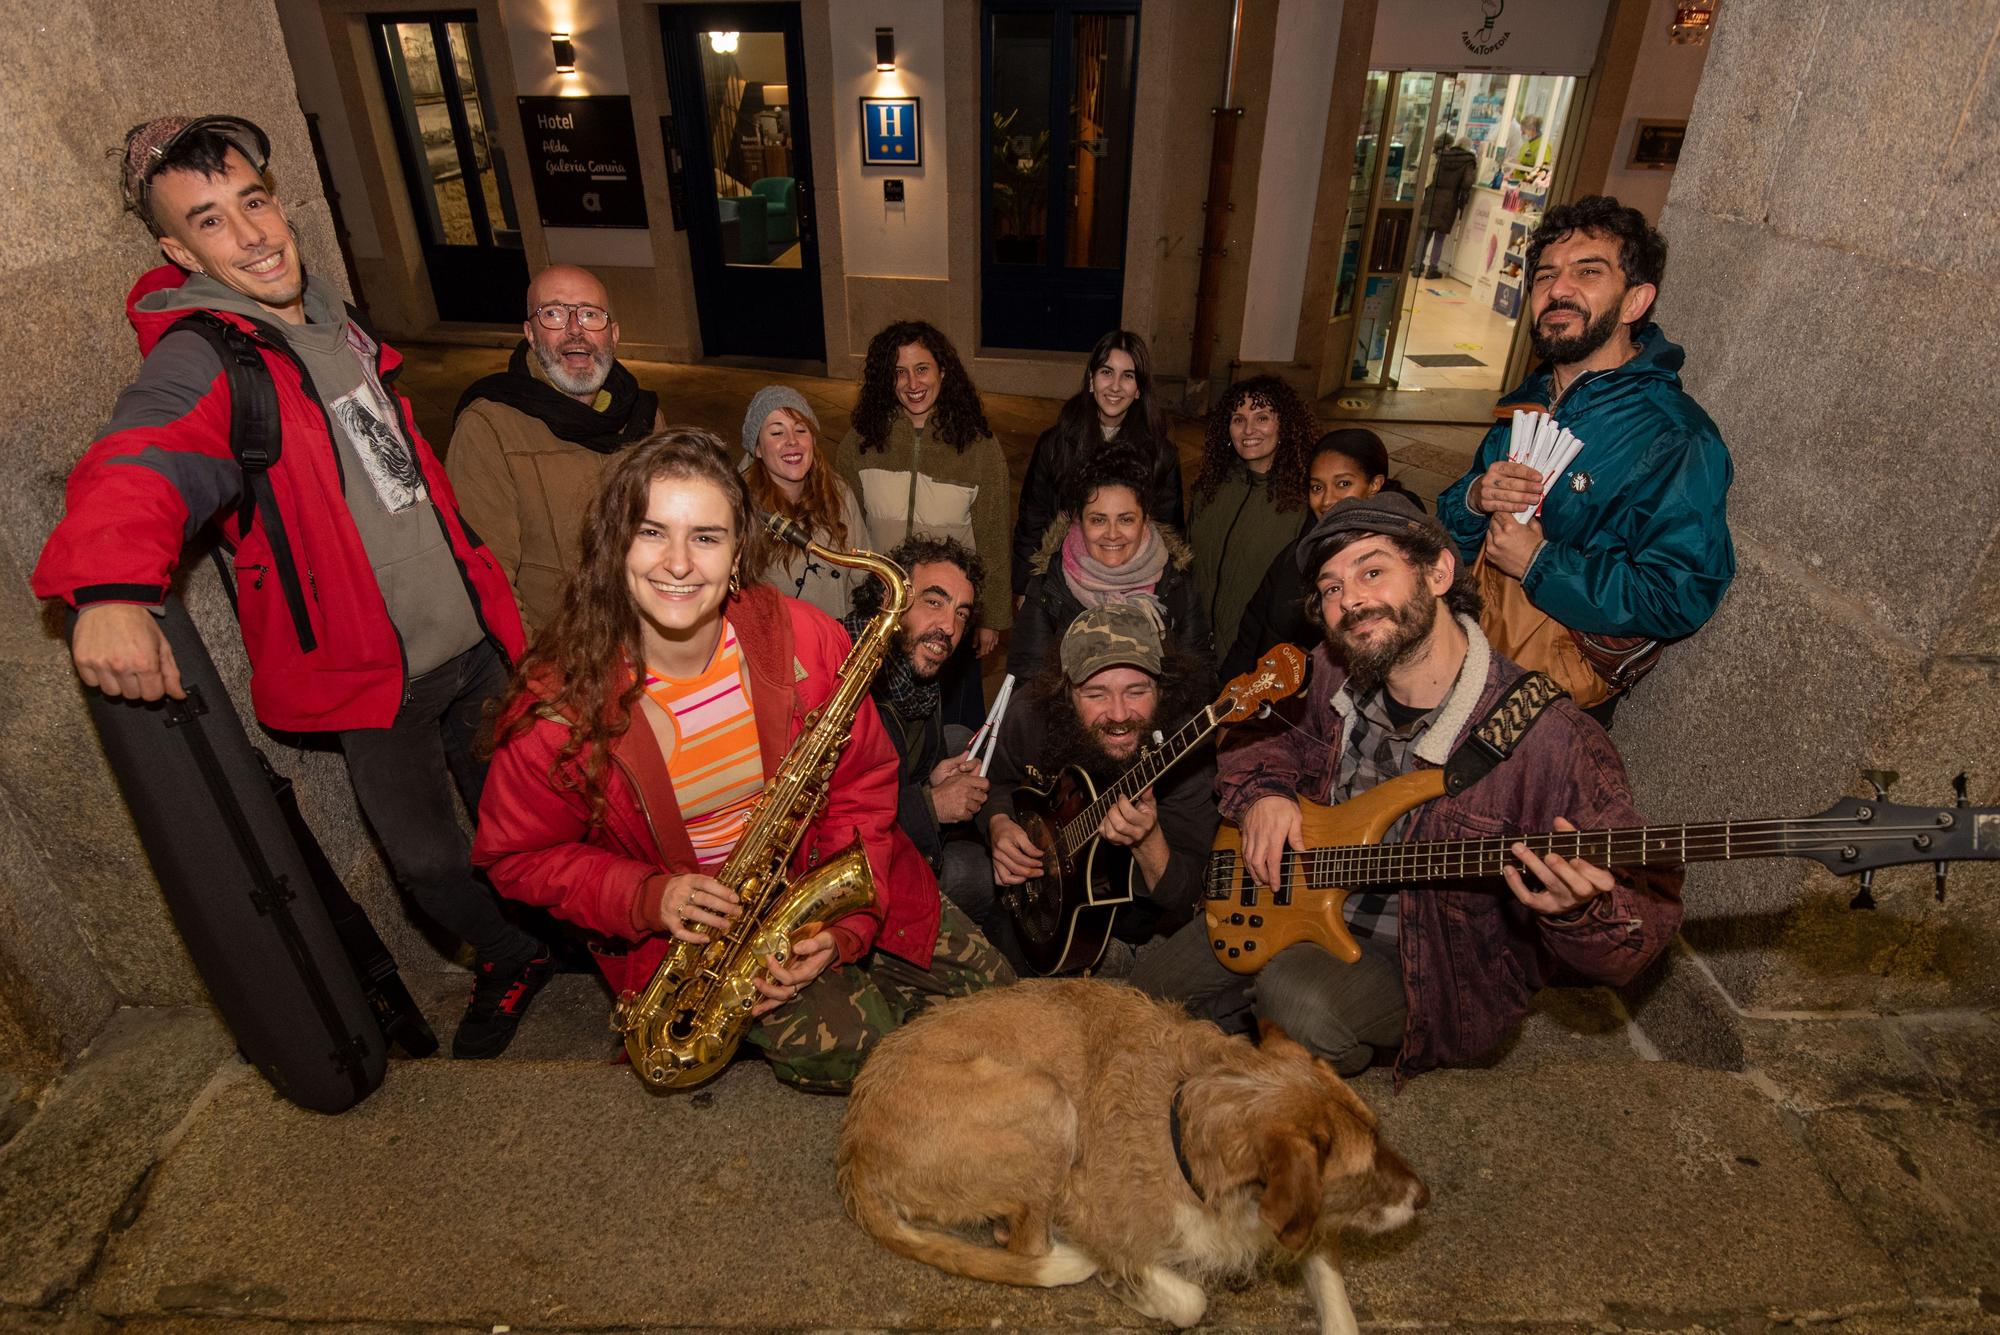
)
(1446, 970)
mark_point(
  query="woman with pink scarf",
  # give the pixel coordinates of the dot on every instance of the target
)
(1104, 547)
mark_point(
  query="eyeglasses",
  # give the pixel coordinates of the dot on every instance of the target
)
(557, 315)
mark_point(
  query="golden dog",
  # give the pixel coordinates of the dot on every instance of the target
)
(1048, 1110)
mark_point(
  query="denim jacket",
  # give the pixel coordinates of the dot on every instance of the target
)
(1472, 954)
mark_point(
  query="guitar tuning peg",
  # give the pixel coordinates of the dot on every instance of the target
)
(1939, 868)
(1864, 898)
(1881, 780)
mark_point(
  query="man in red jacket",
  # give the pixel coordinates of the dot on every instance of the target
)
(1446, 972)
(369, 610)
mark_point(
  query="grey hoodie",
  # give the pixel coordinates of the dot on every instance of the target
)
(383, 485)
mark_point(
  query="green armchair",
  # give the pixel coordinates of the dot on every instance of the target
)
(781, 215)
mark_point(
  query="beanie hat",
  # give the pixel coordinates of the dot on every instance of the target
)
(769, 399)
(148, 144)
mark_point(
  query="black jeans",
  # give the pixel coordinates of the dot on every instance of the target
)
(402, 777)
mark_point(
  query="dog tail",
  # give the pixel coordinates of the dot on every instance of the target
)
(1064, 1264)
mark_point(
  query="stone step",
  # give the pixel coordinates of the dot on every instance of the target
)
(75, 1164)
(1568, 1195)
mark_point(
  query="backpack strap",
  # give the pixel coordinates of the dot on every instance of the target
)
(1500, 731)
(257, 440)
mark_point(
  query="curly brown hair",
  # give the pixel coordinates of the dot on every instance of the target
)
(581, 665)
(819, 510)
(1297, 429)
(959, 417)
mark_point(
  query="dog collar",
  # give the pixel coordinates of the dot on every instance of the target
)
(1174, 1133)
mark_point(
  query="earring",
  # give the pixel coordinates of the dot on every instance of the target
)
(735, 587)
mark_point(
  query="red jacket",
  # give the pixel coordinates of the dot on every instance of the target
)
(163, 469)
(536, 843)
(1472, 954)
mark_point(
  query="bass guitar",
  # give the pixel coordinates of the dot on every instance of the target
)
(1064, 916)
(1249, 923)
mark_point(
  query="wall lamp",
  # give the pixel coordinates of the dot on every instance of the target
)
(1691, 24)
(885, 49)
(565, 52)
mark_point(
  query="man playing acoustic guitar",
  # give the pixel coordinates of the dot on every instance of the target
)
(1445, 971)
(1114, 684)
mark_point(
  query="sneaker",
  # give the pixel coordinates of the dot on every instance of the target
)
(500, 997)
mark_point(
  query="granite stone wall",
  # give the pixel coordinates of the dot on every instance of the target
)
(1832, 274)
(83, 928)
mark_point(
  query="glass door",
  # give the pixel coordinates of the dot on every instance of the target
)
(736, 78)
(1401, 162)
(1452, 173)
(454, 168)
(1058, 100)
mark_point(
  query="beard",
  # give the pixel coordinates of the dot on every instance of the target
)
(589, 382)
(1565, 350)
(1370, 661)
(907, 647)
(1071, 741)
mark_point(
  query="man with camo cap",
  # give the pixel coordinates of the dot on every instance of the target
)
(1117, 684)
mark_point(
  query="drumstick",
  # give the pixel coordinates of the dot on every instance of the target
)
(1000, 703)
(990, 729)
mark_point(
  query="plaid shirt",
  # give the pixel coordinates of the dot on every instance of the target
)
(1376, 750)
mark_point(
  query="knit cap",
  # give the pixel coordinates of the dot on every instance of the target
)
(769, 399)
(148, 143)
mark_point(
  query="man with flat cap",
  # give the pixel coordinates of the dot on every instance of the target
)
(530, 445)
(1403, 677)
(370, 612)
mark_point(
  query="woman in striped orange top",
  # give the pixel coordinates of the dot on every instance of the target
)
(643, 727)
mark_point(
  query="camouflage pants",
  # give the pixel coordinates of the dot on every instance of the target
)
(819, 1040)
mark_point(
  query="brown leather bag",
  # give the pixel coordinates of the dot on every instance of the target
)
(1592, 668)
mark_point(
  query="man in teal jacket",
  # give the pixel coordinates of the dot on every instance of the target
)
(1633, 539)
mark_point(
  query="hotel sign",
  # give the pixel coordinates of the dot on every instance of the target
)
(584, 156)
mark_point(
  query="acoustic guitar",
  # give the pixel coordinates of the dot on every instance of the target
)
(1064, 916)
(1249, 923)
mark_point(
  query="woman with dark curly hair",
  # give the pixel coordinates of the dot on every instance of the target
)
(1250, 495)
(923, 461)
(643, 727)
(1115, 407)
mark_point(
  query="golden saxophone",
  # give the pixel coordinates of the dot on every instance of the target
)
(686, 1023)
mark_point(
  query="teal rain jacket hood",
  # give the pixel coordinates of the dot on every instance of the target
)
(1637, 527)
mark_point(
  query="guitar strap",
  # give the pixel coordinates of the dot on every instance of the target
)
(1500, 731)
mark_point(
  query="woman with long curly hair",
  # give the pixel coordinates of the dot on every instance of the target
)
(923, 461)
(1250, 494)
(787, 476)
(1115, 407)
(643, 726)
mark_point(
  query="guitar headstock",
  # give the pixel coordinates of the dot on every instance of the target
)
(1277, 676)
(1859, 835)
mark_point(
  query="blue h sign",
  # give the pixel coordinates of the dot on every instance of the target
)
(890, 134)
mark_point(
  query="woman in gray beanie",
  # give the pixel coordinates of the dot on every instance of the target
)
(787, 476)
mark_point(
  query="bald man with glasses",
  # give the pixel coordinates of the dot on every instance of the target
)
(529, 445)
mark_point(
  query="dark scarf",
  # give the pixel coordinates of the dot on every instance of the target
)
(897, 683)
(628, 419)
